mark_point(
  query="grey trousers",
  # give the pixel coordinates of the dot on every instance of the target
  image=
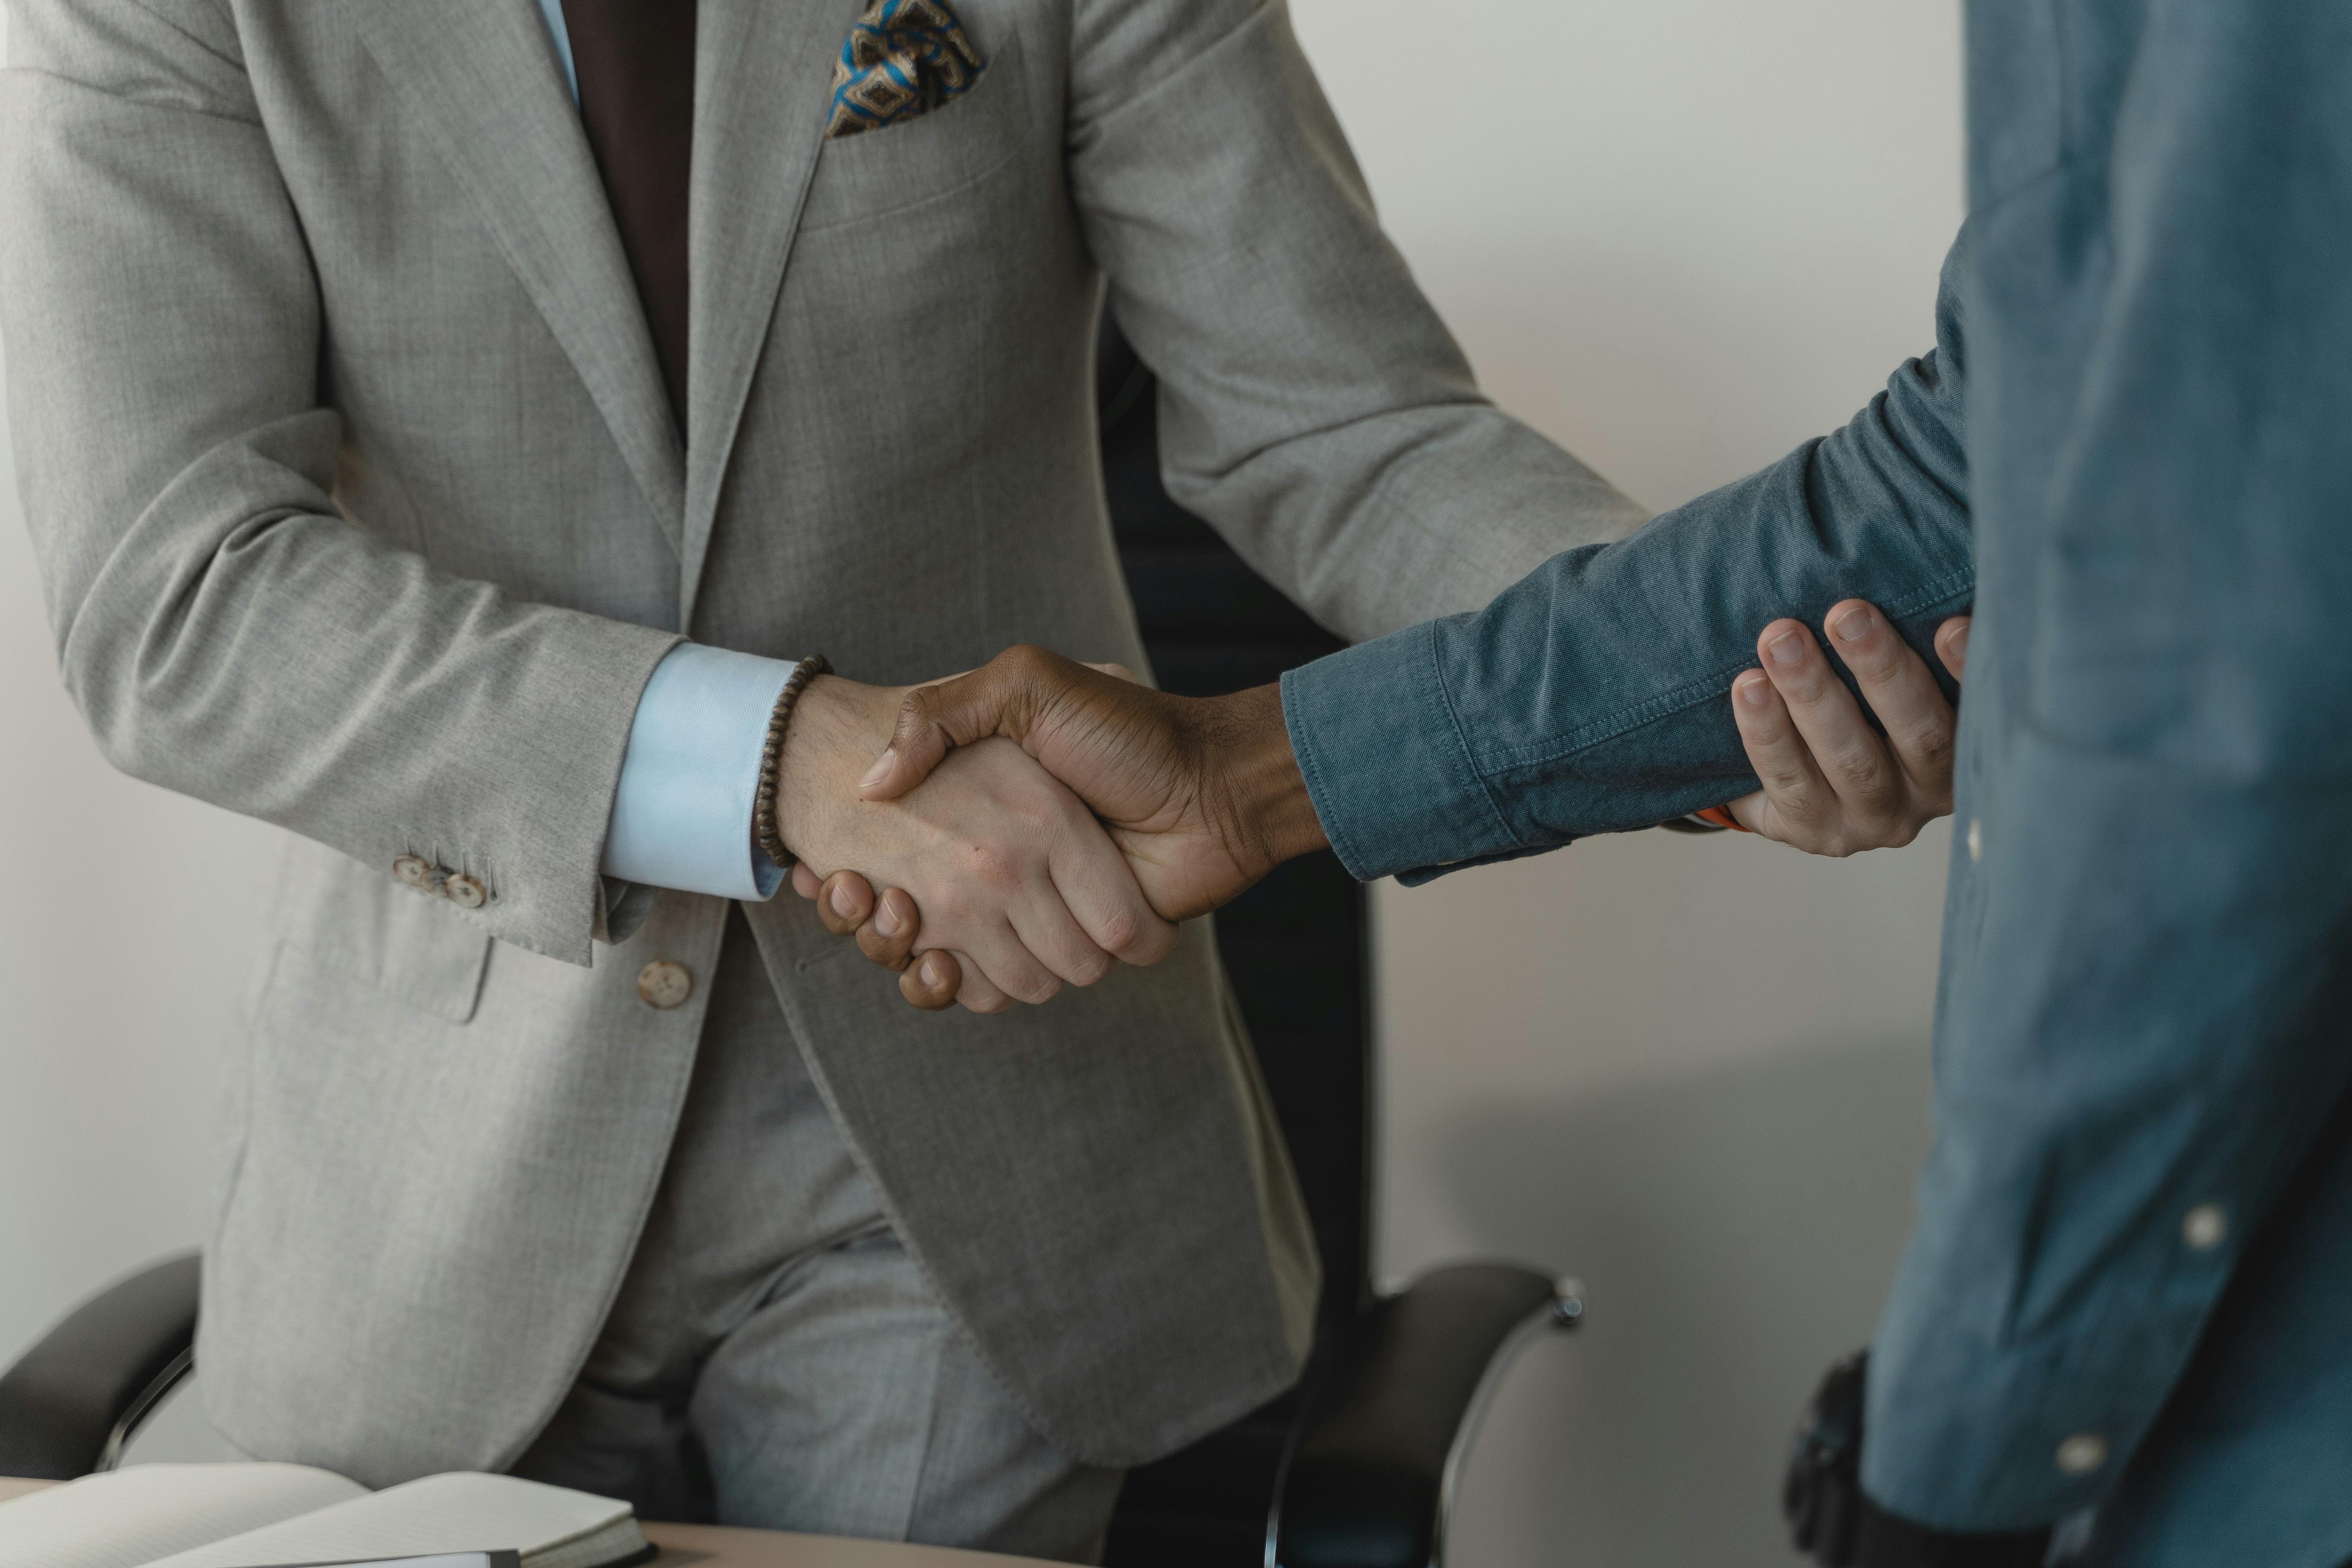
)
(774, 1357)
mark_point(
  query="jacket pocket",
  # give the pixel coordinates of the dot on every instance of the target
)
(413, 947)
(888, 171)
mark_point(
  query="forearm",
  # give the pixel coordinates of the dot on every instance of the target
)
(1591, 696)
(294, 668)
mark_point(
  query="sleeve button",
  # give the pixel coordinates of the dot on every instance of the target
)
(665, 984)
(465, 892)
(2082, 1453)
(2206, 1226)
(412, 870)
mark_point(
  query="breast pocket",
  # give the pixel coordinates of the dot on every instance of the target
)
(880, 173)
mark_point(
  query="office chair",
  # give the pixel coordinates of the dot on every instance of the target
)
(1355, 1466)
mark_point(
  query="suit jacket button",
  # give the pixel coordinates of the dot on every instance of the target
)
(665, 984)
(412, 871)
(465, 893)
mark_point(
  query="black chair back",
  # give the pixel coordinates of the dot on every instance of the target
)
(1295, 944)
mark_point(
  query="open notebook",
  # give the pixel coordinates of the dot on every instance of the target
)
(263, 1516)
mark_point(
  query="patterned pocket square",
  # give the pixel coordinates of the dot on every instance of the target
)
(904, 58)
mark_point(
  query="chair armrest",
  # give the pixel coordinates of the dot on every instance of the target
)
(101, 1368)
(1367, 1482)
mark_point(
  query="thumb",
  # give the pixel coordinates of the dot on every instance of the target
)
(1000, 698)
(1952, 645)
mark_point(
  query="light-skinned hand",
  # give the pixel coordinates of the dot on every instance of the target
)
(1833, 786)
(1014, 876)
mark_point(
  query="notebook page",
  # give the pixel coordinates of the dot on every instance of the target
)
(131, 1516)
(462, 1511)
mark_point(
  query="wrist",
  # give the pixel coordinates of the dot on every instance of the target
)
(837, 727)
(1263, 800)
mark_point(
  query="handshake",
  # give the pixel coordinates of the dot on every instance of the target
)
(1037, 821)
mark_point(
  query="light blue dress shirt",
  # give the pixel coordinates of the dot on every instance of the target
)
(682, 812)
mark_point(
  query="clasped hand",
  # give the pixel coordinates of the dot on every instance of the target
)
(1019, 887)
(1007, 873)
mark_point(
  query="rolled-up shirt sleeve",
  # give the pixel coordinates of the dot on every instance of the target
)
(682, 810)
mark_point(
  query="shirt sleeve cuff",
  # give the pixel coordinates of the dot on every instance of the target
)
(1384, 761)
(682, 812)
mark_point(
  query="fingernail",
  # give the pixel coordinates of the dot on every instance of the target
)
(1788, 648)
(843, 904)
(934, 973)
(1958, 643)
(1853, 626)
(1751, 690)
(885, 918)
(880, 770)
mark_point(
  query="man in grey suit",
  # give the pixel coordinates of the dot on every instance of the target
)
(442, 424)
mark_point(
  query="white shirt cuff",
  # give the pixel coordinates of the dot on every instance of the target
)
(682, 812)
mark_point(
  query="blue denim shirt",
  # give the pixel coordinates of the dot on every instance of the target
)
(2130, 1288)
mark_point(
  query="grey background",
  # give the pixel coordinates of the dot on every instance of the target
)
(1692, 1072)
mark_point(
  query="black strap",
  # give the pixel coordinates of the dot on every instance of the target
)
(1833, 1522)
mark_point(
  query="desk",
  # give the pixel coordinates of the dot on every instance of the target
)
(709, 1546)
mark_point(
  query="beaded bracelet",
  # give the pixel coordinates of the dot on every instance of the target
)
(772, 755)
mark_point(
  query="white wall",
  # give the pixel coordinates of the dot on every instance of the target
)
(1680, 236)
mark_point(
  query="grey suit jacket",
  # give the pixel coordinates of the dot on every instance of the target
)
(360, 511)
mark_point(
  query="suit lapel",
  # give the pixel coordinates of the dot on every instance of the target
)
(483, 80)
(762, 87)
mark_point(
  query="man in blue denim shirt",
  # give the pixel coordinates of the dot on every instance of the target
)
(2124, 1312)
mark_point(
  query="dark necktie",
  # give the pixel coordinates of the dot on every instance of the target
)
(635, 60)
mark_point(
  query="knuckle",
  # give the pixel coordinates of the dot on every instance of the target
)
(994, 866)
(1786, 779)
(1803, 812)
(1860, 776)
(1024, 661)
(1121, 933)
(916, 708)
(1804, 686)
(1936, 747)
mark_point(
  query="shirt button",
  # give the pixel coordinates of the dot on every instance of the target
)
(2206, 1226)
(2082, 1453)
(465, 893)
(665, 984)
(412, 871)
(1976, 838)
